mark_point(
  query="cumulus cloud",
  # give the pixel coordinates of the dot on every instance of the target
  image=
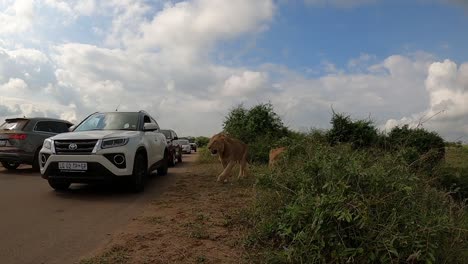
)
(159, 58)
(16, 16)
(448, 101)
(245, 84)
(189, 29)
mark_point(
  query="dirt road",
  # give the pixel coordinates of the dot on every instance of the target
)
(196, 220)
(39, 225)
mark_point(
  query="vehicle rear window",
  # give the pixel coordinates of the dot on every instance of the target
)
(183, 142)
(52, 127)
(17, 124)
(166, 133)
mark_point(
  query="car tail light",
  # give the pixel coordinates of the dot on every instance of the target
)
(18, 136)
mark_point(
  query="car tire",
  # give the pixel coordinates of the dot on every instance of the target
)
(173, 160)
(35, 164)
(140, 171)
(10, 165)
(59, 186)
(162, 170)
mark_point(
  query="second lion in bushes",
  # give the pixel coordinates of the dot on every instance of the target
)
(230, 151)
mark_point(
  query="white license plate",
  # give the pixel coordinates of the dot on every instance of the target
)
(2, 143)
(77, 166)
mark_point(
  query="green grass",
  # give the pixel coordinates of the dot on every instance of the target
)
(457, 157)
(453, 174)
(205, 156)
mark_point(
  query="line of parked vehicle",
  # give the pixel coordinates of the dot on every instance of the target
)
(105, 146)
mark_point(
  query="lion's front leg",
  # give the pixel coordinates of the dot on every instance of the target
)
(226, 171)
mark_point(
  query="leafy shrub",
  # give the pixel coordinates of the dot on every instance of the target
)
(339, 205)
(424, 149)
(202, 141)
(453, 173)
(360, 133)
(259, 127)
(204, 156)
(454, 180)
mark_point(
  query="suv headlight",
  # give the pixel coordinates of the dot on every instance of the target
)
(47, 144)
(113, 142)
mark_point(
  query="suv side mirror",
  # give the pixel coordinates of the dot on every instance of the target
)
(70, 129)
(175, 138)
(150, 127)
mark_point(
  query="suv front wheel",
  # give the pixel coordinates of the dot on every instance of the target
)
(162, 170)
(140, 171)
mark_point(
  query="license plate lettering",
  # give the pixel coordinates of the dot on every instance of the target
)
(75, 166)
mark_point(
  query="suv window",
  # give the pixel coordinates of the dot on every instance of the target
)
(51, 127)
(14, 124)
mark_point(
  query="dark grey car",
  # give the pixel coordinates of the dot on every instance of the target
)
(22, 138)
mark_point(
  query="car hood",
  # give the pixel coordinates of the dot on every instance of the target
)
(95, 134)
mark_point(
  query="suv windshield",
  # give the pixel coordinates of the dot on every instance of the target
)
(14, 124)
(110, 121)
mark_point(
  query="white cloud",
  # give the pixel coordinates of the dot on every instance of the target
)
(14, 87)
(16, 16)
(160, 58)
(245, 84)
(74, 8)
(447, 112)
(187, 30)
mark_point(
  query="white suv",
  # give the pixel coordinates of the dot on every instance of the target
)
(105, 146)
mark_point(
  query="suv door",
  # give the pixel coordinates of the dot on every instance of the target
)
(162, 143)
(151, 140)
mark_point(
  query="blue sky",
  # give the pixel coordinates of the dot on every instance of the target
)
(304, 36)
(189, 62)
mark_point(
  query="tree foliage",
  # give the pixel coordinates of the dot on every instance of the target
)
(260, 127)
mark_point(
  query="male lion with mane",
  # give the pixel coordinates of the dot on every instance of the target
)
(230, 151)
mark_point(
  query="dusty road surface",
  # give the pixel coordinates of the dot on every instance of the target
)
(39, 225)
(196, 220)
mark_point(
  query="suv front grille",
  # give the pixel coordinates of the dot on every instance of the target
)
(74, 147)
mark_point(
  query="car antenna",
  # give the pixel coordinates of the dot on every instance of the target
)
(117, 108)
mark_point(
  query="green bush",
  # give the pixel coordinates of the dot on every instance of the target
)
(360, 133)
(423, 149)
(454, 180)
(202, 141)
(204, 156)
(453, 173)
(259, 127)
(340, 205)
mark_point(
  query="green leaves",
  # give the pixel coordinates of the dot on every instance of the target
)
(260, 127)
(342, 205)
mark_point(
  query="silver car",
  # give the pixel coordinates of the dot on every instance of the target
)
(185, 144)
